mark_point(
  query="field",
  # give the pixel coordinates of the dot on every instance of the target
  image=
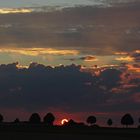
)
(34, 132)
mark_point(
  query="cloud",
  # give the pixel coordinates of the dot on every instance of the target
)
(136, 55)
(127, 59)
(110, 82)
(38, 51)
(133, 56)
(102, 31)
(14, 10)
(88, 58)
(121, 53)
(133, 68)
(115, 3)
(40, 87)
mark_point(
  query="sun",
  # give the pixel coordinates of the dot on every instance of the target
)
(63, 121)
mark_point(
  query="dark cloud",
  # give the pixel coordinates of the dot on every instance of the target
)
(84, 58)
(136, 56)
(115, 78)
(42, 87)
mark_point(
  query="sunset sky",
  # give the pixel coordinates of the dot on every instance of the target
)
(70, 57)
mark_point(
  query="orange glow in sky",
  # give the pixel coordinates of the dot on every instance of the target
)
(127, 58)
(63, 121)
(38, 51)
(10, 10)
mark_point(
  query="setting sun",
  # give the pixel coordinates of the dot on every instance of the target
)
(63, 121)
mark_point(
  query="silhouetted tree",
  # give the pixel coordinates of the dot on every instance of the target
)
(91, 120)
(49, 119)
(1, 118)
(35, 118)
(127, 119)
(70, 123)
(139, 122)
(16, 120)
(109, 122)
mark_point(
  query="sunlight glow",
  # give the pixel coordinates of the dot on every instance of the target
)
(121, 53)
(63, 121)
(127, 58)
(11, 10)
(38, 51)
(133, 69)
(137, 51)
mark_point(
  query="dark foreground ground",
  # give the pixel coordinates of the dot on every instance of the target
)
(64, 133)
(44, 136)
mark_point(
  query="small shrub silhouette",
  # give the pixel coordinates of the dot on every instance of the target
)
(109, 122)
(17, 120)
(1, 118)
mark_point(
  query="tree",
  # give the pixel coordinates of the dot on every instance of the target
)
(91, 120)
(71, 123)
(35, 118)
(127, 119)
(49, 119)
(1, 118)
(109, 122)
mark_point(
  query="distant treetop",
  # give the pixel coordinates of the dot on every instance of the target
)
(49, 119)
(127, 119)
(91, 120)
(35, 118)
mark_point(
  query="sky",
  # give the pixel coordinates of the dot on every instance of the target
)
(72, 58)
(36, 3)
(30, 3)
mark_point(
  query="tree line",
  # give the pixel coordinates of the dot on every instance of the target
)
(49, 119)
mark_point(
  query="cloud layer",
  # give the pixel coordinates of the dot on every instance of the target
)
(85, 31)
(101, 30)
(42, 87)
